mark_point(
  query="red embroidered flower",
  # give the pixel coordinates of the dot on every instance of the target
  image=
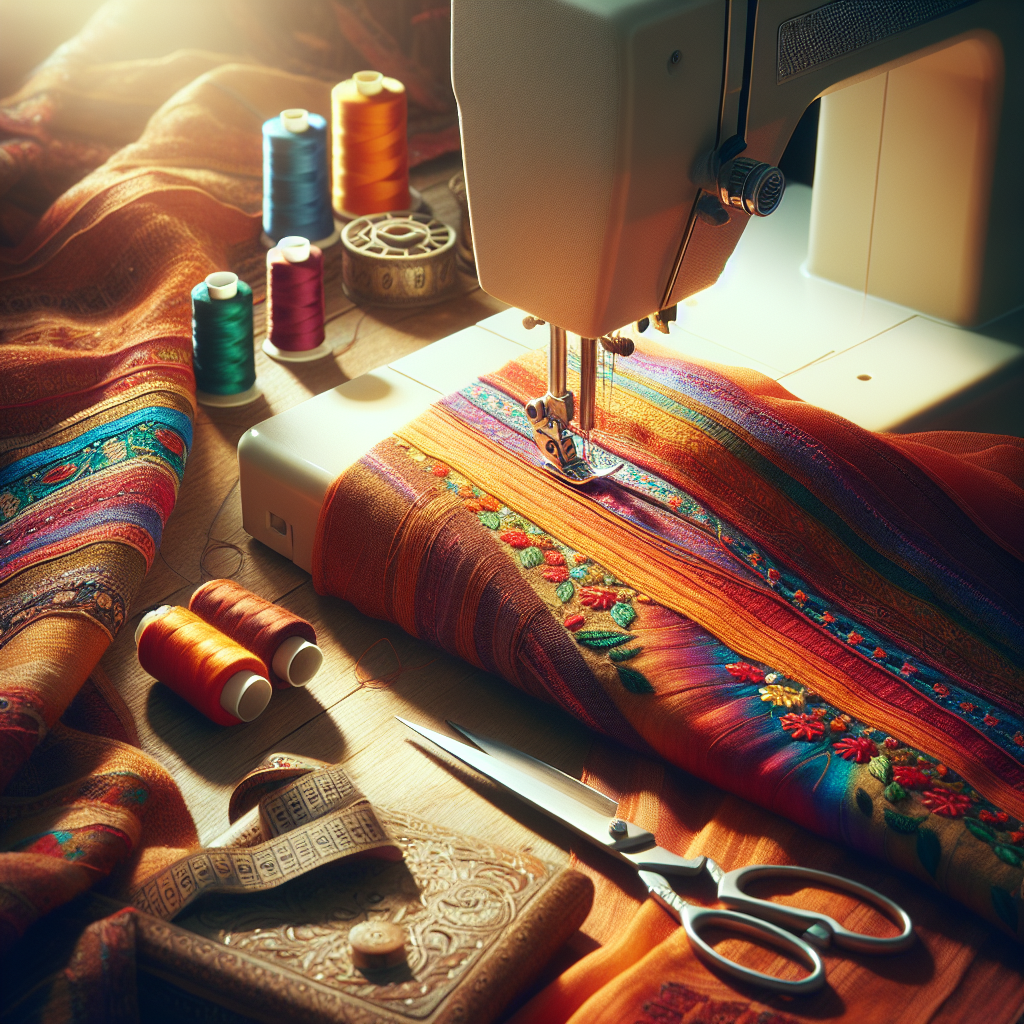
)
(599, 598)
(999, 818)
(579, 558)
(674, 502)
(516, 539)
(907, 669)
(803, 727)
(837, 725)
(991, 721)
(573, 622)
(554, 558)
(946, 803)
(856, 748)
(827, 618)
(59, 473)
(439, 469)
(853, 637)
(726, 539)
(556, 574)
(799, 596)
(910, 778)
(966, 705)
(745, 672)
(1017, 838)
(819, 712)
(169, 439)
(942, 770)
(879, 654)
(489, 503)
(1018, 738)
(773, 575)
(754, 558)
(941, 689)
(891, 743)
(544, 543)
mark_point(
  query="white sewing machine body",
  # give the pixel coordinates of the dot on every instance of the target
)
(819, 339)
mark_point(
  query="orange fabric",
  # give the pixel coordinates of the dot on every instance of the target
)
(646, 969)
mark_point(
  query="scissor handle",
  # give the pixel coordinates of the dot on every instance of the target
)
(695, 919)
(819, 929)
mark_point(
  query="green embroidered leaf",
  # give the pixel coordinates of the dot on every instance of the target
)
(864, 803)
(902, 823)
(530, 557)
(490, 519)
(1005, 906)
(635, 682)
(894, 793)
(624, 653)
(929, 850)
(601, 639)
(881, 768)
(623, 614)
(1010, 854)
(980, 829)
(564, 591)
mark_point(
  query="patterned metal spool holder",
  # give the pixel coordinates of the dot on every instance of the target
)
(399, 259)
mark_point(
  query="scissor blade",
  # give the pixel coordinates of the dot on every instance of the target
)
(580, 791)
(581, 818)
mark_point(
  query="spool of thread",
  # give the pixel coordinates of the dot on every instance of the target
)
(296, 186)
(216, 675)
(371, 148)
(285, 642)
(295, 301)
(222, 341)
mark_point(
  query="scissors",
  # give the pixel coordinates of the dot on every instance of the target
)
(594, 816)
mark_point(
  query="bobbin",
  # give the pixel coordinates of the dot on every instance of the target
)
(399, 259)
(223, 285)
(295, 249)
(245, 694)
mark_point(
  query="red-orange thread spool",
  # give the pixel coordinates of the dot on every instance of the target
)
(371, 148)
(216, 675)
(286, 642)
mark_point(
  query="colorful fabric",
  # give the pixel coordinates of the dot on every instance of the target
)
(958, 969)
(744, 599)
(130, 168)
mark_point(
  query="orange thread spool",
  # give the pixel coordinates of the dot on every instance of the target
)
(371, 149)
(285, 642)
(216, 675)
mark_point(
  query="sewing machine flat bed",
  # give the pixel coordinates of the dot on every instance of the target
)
(881, 365)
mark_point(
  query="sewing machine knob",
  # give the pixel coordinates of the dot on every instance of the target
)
(751, 186)
(529, 322)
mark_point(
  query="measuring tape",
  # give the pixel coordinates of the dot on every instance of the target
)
(318, 818)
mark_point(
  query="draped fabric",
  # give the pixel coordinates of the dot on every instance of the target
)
(823, 621)
(130, 168)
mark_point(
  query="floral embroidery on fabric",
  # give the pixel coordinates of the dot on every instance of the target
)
(784, 583)
(677, 1003)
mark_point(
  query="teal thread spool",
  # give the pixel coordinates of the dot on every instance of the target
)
(222, 341)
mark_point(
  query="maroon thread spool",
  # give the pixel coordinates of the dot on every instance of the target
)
(295, 301)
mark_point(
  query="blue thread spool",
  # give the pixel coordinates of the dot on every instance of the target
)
(296, 188)
(222, 341)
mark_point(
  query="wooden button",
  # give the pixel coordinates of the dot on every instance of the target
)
(377, 944)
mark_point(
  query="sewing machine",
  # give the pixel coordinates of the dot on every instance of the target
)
(620, 162)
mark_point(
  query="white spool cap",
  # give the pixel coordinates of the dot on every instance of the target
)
(149, 617)
(222, 285)
(294, 248)
(369, 83)
(245, 695)
(297, 660)
(295, 119)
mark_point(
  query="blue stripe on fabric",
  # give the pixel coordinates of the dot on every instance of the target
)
(165, 416)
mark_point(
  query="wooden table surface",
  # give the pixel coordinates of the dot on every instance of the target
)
(372, 670)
